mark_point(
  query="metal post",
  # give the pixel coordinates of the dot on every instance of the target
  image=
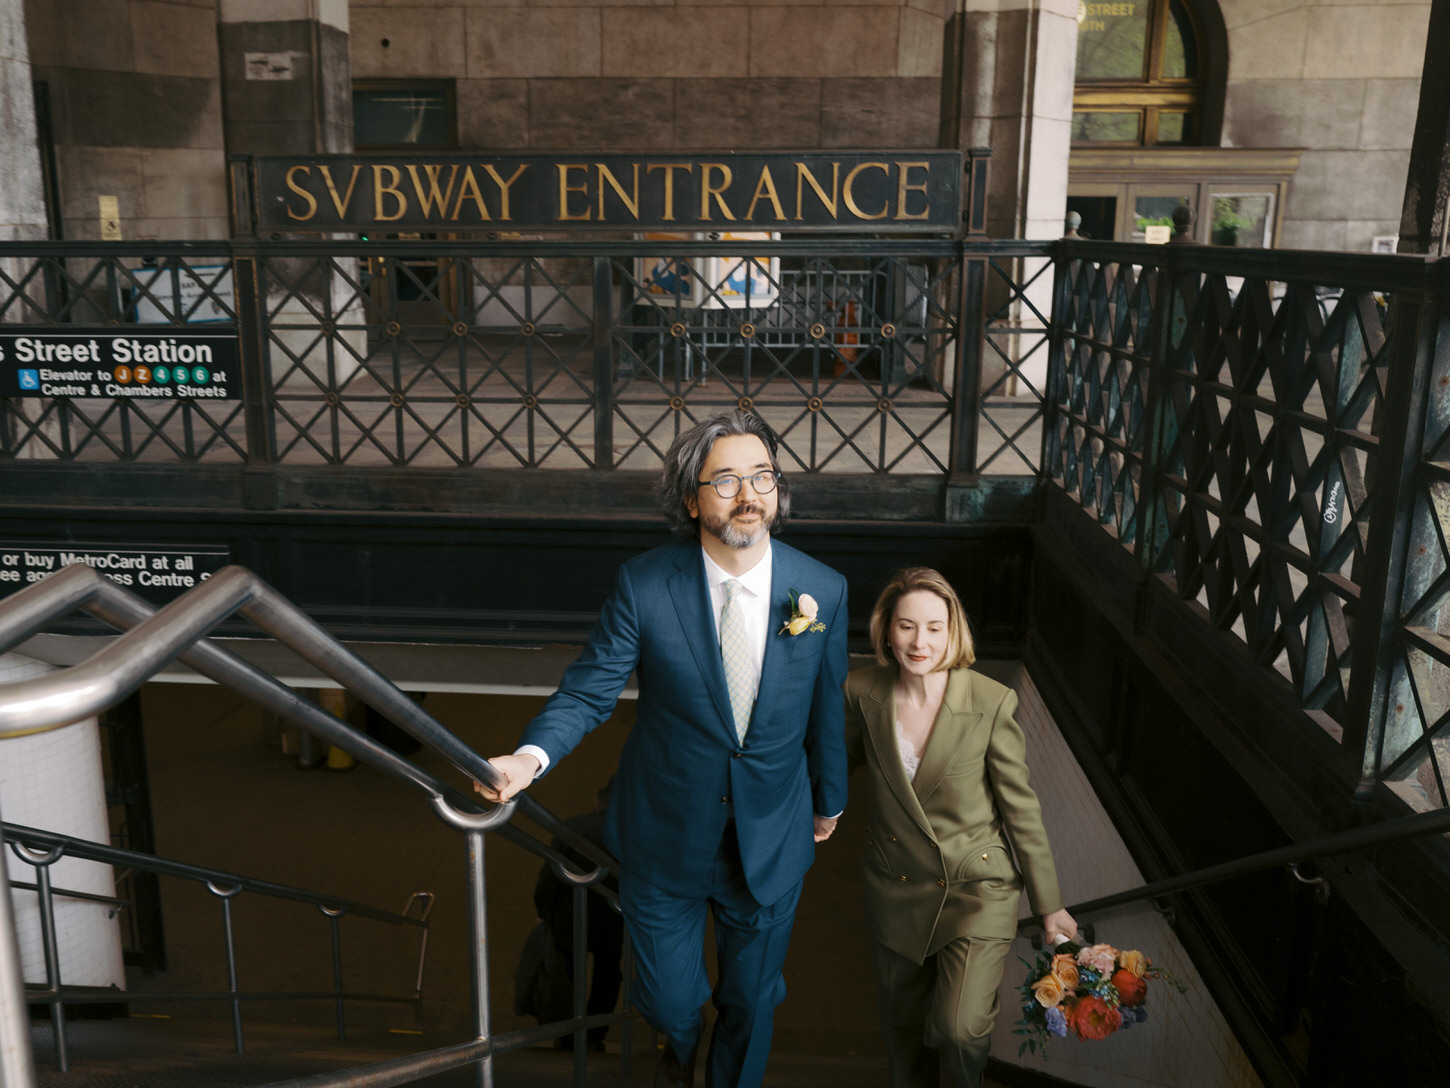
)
(334, 917)
(251, 344)
(478, 954)
(967, 383)
(226, 898)
(52, 959)
(580, 892)
(603, 365)
(17, 1064)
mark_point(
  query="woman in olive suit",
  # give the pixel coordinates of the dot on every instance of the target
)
(950, 809)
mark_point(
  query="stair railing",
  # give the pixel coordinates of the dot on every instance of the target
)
(151, 639)
(41, 849)
(1292, 855)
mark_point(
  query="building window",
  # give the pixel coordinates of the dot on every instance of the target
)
(1139, 74)
(400, 115)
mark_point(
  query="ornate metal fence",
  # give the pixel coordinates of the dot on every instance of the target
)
(1264, 432)
(866, 357)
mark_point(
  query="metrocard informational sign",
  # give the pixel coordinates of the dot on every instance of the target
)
(119, 363)
(157, 573)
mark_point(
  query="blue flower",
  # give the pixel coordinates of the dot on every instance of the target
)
(1057, 1022)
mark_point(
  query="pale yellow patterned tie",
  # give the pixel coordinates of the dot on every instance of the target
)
(735, 653)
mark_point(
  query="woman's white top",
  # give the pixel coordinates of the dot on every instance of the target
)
(909, 759)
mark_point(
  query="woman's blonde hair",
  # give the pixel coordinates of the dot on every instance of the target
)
(960, 651)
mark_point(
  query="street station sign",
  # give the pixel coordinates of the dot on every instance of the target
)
(876, 191)
(119, 363)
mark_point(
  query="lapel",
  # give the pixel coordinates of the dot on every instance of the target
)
(778, 647)
(954, 722)
(691, 598)
(878, 708)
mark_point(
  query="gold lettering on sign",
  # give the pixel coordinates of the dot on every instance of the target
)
(669, 168)
(504, 186)
(469, 191)
(431, 196)
(803, 174)
(303, 193)
(390, 189)
(630, 202)
(707, 190)
(903, 186)
(339, 204)
(856, 171)
(565, 189)
(765, 187)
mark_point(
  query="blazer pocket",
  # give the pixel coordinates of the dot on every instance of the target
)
(966, 766)
(990, 864)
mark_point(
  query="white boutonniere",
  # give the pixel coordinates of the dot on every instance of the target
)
(803, 609)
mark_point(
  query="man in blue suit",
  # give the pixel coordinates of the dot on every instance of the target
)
(736, 763)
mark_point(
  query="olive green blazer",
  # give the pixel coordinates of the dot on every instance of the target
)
(939, 849)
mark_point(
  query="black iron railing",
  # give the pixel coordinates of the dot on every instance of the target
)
(867, 357)
(1264, 432)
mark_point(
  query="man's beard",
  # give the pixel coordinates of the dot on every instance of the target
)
(732, 536)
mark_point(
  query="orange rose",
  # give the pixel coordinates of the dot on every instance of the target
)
(1064, 969)
(1135, 962)
(1131, 988)
(1048, 991)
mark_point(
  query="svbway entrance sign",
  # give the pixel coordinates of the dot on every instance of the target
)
(856, 191)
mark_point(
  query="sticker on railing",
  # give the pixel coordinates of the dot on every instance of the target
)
(119, 363)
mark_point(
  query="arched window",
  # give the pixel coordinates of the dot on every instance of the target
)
(1140, 74)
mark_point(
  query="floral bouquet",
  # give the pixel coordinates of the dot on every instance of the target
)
(1090, 990)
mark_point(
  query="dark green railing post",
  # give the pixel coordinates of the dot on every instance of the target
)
(1378, 687)
(967, 381)
(1167, 303)
(603, 365)
(252, 351)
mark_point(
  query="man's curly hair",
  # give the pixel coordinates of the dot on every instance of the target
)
(685, 459)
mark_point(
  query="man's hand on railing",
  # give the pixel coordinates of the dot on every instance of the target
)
(518, 771)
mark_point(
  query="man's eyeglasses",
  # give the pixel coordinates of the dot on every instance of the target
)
(727, 487)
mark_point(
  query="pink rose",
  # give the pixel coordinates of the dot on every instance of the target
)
(806, 605)
(1102, 958)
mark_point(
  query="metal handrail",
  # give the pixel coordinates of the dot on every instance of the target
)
(153, 638)
(1360, 838)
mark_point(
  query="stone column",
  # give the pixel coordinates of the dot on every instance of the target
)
(22, 188)
(286, 76)
(287, 90)
(1007, 82)
(1007, 85)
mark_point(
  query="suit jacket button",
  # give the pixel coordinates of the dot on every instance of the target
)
(739, 754)
(891, 837)
(941, 883)
(726, 801)
(984, 857)
(901, 877)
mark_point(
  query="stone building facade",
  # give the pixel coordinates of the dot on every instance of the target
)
(141, 101)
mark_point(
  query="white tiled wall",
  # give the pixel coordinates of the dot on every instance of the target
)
(53, 781)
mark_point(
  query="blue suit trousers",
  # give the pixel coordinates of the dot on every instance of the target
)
(668, 931)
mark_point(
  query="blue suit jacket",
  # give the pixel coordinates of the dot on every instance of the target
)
(682, 772)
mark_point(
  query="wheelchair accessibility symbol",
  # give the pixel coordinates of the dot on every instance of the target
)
(29, 379)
